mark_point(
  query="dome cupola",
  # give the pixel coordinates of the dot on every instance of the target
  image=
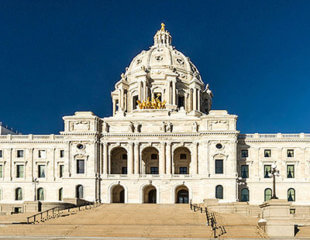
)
(165, 75)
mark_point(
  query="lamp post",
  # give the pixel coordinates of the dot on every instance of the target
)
(35, 181)
(239, 182)
(274, 172)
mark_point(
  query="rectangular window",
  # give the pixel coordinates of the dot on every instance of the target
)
(1, 172)
(42, 154)
(19, 171)
(290, 171)
(80, 166)
(290, 153)
(244, 153)
(183, 170)
(62, 153)
(124, 170)
(182, 156)
(20, 153)
(153, 156)
(124, 156)
(267, 169)
(244, 171)
(267, 153)
(154, 170)
(41, 171)
(219, 167)
(0, 153)
(61, 171)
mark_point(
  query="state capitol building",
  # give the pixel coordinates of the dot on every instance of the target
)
(163, 144)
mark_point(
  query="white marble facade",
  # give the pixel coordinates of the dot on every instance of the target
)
(181, 152)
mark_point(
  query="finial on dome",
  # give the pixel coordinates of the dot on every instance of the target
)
(162, 37)
(162, 27)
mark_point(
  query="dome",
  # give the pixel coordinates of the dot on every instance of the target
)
(164, 76)
(162, 55)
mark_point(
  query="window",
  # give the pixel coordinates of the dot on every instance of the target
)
(219, 166)
(244, 153)
(267, 194)
(41, 171)
(267, 170)
(134, 102)
(290, 171)
(219, 146)
(40, 194)
(20, 153)
(124, 170)
(18, 194)
(291, 195)
(61, 153)
(290, 153)
(153, 156)
(244, 195)
(154, 170)
(0, 194)
(18, 210)
(42, 154)
(244, 171)
(79, 191)
(19, 171)
(0, 153)
(61, 171)
(183, 170)
(60, 192)
(219, 192)
(124, 156)
(1, 171)
(80, 166)
(180, 101)
(182, 156)
(267, 153)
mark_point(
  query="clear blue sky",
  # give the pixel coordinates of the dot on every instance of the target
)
(58, 57)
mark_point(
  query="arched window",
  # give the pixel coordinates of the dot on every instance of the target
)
(267, 194)
(40, 194)
(291, 195)
(244, 195)
(60, 192)
(219, 192)
(18, 194)
(79, 191)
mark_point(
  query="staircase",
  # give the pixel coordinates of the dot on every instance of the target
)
(136, 221)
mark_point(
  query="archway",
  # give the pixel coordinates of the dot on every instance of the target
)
(181, 194)
(149, 194)
(119, 161)
(118, 194)
(181, 160)
(150, 161)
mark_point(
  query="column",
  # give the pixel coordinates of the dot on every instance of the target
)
(168, 158)
(130, 158)
(162, 159)
(136, 158)
(114, 107)
(101, 159)
(194, 165)
(198, 107)
(194, 99)
(105, 158)
(173, 92)
(11, 164)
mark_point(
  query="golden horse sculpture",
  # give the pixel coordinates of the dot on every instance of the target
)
(153, 104)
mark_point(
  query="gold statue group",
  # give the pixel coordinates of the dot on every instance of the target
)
(153, 104)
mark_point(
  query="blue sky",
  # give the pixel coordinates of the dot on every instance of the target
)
(58, 57)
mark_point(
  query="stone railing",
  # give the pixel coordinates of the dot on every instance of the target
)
(31, 137)
(278, 135)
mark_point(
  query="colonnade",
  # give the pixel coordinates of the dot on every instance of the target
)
(134, 150)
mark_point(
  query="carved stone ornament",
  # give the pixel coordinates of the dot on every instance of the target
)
(80, 126)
